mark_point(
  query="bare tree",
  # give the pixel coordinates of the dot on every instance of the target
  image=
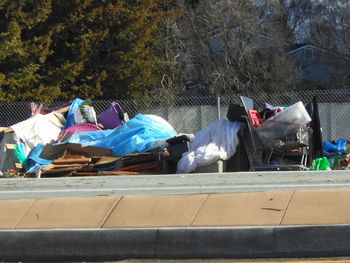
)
(325, 24)
(330, 26)
(330, 29)
(220, 47)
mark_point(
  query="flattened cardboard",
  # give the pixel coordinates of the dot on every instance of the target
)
(74, 160)
(107, 160)
(54, 151)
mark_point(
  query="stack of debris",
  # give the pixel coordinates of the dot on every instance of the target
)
(73, 141)
(75, 160)
(336, 156)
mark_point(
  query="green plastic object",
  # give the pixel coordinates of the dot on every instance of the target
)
(321, 164)
(334, 161)
(20, 155)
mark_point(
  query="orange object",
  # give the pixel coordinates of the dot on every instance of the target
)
(255, 117)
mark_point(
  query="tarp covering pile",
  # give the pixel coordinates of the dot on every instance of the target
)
(60, 143)
(74, 141)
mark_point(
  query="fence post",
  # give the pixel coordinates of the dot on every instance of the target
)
(218, 105)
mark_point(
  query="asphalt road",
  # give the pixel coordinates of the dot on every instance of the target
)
(273, 260)
(20, 188)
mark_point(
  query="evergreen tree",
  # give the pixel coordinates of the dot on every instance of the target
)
(60, 49)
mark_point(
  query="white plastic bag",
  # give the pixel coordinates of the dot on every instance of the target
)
(284, 124)
(217, 141)
(88, 115)
(295, 114)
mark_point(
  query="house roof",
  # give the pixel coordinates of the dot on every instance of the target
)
(298, 47)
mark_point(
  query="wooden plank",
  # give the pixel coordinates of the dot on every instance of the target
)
(58, 166)
(122, 173)
(63, 110)
(140, 166)
(82, 160)
(84, 174)
(107, 160)
(10, 146)
(60, 170)
(6, 129)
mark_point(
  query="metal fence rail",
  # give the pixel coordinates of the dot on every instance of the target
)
(191, 114)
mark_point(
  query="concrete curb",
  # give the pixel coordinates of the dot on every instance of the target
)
(174, 243)
(33, 188)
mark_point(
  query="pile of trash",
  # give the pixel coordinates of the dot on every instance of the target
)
(73, 141)
(291, 137)
(336, 156)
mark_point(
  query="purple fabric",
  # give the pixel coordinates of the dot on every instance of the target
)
(268, 106)
(110, 118)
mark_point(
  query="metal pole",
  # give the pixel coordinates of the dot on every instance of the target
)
(218, 105)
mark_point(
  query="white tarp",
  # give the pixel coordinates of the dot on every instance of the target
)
(39, 129)
(217, 141)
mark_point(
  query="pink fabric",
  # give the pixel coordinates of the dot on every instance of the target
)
(81, 127)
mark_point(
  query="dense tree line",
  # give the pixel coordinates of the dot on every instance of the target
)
(59, 49)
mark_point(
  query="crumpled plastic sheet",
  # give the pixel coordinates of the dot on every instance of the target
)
(333, 149)
(217, 141)
(39, 129)
(139, 134)
(70, 115)
(34, 159)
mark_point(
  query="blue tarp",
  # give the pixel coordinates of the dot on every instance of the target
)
(333, 149)
(34, 160)
(70, 115)
(137, 135)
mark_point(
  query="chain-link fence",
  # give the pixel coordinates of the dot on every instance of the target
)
(191, 114)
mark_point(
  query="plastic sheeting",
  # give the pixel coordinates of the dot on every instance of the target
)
(70, 115)
(39, 129)
(217, 141)
(35, 160)
(139, 134)
(333, 149)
